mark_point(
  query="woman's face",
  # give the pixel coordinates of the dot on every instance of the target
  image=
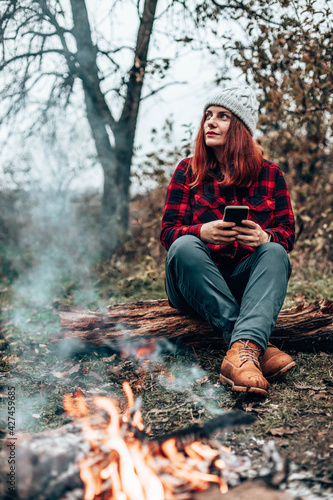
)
(216, 125)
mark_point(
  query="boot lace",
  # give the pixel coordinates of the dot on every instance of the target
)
(248, 353)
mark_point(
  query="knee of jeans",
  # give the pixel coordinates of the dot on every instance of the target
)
(277, 253)
(184, 250)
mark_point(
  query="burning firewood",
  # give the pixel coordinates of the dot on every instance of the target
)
(116, 460)
(125, 465)
(302, 328)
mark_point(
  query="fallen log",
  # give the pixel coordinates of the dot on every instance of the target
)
(304, 327)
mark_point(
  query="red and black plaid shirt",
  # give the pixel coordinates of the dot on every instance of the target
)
(186, 209)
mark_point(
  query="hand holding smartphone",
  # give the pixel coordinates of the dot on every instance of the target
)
(236, 214)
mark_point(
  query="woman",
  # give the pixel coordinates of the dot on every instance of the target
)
(233, 276)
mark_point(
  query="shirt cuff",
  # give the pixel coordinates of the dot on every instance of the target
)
(195, 230)
(270, 236)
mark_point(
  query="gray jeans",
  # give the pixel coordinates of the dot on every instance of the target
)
(242, 305)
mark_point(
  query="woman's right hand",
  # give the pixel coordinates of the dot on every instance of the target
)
(218, 232)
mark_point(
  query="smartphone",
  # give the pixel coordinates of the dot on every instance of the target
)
(236, 214)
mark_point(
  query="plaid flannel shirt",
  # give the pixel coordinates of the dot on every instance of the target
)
(187, 209)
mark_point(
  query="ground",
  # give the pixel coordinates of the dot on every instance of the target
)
(177, 388)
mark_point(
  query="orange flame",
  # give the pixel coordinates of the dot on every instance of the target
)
(145, 351)
(75, 406)
(122, 467)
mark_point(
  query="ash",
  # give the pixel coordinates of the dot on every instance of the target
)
(268, 463)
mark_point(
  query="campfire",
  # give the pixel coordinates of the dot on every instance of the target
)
(124, 464)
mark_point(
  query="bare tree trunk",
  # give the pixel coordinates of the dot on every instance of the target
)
(124, 129)
(115, 159)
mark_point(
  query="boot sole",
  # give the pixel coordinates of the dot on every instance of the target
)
(240, 388)
(281, 372)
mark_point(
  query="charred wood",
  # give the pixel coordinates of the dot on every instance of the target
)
(204, 430)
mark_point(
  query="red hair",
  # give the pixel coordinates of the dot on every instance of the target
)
(241, 161)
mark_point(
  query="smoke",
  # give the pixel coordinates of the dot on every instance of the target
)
(60, 252)
(50, 244)
(195, 382)
(56, 245)
(174, 369)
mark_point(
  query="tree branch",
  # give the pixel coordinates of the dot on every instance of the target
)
(44, 35)
(241, 6)
(28, 55)
(153, 92)
(61, 31)
(86, 58)
(134, 88)
(107, 54)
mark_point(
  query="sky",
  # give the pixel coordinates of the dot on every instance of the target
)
(182, 102)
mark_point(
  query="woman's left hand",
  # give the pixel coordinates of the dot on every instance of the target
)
(251, 234)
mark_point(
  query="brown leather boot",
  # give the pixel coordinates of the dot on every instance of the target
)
(241, 369)
(275, 363)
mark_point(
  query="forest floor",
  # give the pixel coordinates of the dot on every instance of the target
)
(296, 414)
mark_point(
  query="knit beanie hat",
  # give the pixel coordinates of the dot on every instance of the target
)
(239, 100)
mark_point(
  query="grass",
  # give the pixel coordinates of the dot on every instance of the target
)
(179, 388)
(43, 373)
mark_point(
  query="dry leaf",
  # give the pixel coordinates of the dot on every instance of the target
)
(96, 376)
(110, 358)
(281, 431)
(203, 380)
(74, 369)
(115, 370)
(320, 395)
(60, 374)
(13, 359)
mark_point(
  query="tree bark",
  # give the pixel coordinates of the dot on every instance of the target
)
(304, 328)
(115, 158)
(124, 129)
(99, 118)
